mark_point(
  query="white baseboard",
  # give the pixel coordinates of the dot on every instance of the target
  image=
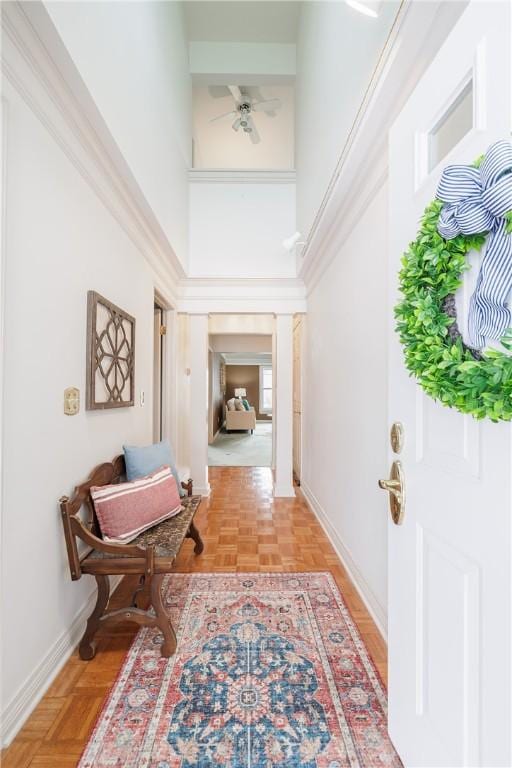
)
(32, 691)
(203, 490)
(375, 609)
(284, 492)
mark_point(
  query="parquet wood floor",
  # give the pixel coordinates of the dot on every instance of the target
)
(244, 529)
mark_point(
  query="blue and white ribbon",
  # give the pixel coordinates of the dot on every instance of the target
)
(476, 201)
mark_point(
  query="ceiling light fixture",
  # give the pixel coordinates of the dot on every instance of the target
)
(367, 7)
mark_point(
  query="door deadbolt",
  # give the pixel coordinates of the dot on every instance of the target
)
(396, 436)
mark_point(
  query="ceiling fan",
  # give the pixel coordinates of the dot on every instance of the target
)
(245, 105)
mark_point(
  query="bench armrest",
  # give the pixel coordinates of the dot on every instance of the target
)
(187, 486)
(75, 529)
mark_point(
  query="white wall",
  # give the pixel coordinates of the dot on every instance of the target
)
(237, 229)
(241, 324)
(345, 399)
(337, 49)
(217, 145)
(220, 61)
(133, 58)
(60, 243)
(233, 342)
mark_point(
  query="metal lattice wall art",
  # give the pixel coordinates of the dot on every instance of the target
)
(110, 355)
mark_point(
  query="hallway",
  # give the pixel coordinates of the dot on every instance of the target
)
(244, 530)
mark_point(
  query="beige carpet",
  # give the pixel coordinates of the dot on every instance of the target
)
(241, 449)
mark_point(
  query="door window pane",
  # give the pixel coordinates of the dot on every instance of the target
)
(456, 122)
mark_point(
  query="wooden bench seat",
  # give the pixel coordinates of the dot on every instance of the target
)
(166, 538)
(151, 555)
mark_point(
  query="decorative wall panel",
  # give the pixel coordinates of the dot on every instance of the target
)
(110, 354)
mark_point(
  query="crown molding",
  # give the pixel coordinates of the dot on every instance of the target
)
(245, 295)
(240, 176)
(361, 170)
(295, 284)
(36, 64)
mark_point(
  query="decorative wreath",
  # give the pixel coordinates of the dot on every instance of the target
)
(473, 207)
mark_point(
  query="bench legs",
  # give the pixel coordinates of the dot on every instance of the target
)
(163, 621)
(194, 534)
(149, 591)
(86, 648)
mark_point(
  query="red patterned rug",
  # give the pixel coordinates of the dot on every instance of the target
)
(270, 672)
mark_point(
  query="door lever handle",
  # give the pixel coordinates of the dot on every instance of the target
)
(395, 486)
(392, 486)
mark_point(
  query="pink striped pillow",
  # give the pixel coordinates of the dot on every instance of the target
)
(126, 509)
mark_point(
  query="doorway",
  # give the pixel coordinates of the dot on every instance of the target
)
(240, 400)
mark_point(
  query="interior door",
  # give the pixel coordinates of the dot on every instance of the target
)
(449, 561)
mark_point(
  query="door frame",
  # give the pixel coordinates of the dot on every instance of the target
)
(169, 405)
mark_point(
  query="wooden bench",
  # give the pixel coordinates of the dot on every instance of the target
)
(151, 555)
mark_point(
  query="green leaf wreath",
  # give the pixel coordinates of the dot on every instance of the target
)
(432, 269)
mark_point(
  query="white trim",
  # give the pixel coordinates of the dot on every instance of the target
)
(203, 491)
(375, 609)
(240, 176)
(3, 259)
(283, 492)
(236, 305)
(348, 216)
(204, 295)
(37, 65)
(37, 683)
(283, 284)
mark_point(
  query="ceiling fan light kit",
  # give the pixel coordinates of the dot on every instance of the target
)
(245, 105)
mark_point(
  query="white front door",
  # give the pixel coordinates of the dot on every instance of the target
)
(449, 561)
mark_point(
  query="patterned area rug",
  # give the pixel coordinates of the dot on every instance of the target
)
(270, 672)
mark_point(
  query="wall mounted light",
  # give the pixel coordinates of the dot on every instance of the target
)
(290, 242)
(240, 392)
(367, 7)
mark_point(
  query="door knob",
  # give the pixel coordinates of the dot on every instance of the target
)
(395, 486)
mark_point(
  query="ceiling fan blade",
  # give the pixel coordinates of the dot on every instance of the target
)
(269, 105)
(224, 115)
(236, 124)
(253, 133)
(236, 93)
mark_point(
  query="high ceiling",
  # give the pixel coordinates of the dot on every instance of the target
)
(242, 21)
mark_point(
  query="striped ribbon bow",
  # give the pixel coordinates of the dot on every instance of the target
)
(476, 201)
